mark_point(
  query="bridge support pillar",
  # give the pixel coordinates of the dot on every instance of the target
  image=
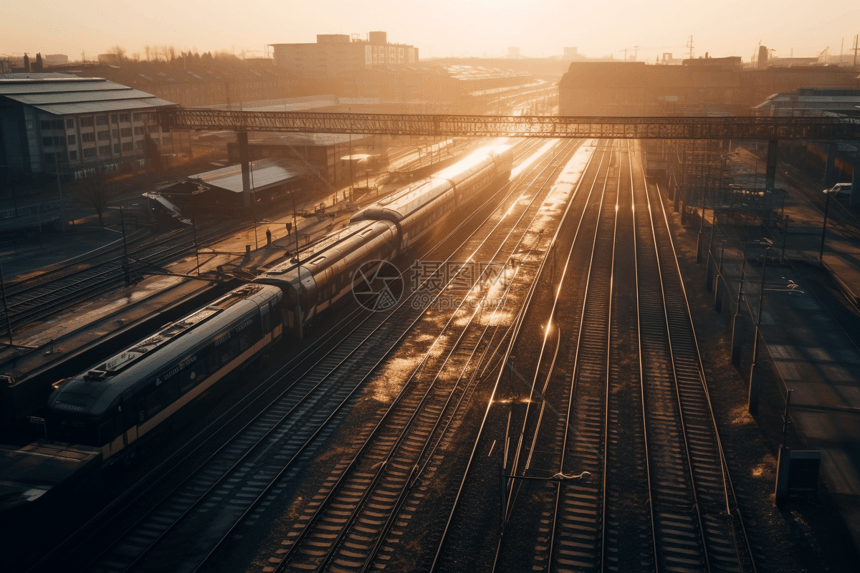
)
(830, 167)
(244, 159)
(770, 169)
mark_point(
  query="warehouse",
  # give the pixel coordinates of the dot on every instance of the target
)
(54, 121)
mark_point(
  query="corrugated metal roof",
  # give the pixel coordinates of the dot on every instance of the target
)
(98, 106)
(79, 97)
(9, 86)
(264, 172)
(73, 95)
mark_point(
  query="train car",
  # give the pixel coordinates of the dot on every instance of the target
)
(421, 208)
(326, 271)
(475, 173)
(118, 403)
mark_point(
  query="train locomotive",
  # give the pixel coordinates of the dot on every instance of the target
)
(118, 403)
(123, 399)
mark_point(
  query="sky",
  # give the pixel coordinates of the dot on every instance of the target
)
(437, 27)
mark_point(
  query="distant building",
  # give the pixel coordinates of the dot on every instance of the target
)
(571, 54)
(55, 59)
(513, 52)
(198, 80)
(51, 119)
(336, 54)
(804, 102)
(108, 59)
(698, 87)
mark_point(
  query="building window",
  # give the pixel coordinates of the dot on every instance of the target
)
(47, 141)
(88, 138)
(49, 158)
(113, 118)
(138, 144)
(91, 152)
(116, 148)
(125, 131)
(116, 134)
(124, 117)
(70, 124)
(138, 117)
(46, 125)
(103, 135)
(104, 150)
(73, 155)
(57, 124)
(127, 146)
(101, 120)
(58, 141)
(138, 130)
(87, 122)
(71, 140)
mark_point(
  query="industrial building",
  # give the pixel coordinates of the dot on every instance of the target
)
(335, 54)
(336, 158)
(221, 191)
(699, 86)
(52, 122)
(195, 80)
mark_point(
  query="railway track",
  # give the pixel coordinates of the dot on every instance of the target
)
(694, 517)
(348, 527)
(44, 295)
(142, 533)
(622, 376)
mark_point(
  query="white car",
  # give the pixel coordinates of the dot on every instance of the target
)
(840, 190)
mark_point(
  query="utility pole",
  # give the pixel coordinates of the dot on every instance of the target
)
(124, 246)
(351, 176)
(856, 49)
(62, 206)
(690, 45)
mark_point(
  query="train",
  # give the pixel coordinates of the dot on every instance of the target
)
(118, 404)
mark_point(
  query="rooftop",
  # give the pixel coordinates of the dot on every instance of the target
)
(62, 94)
(264, 172)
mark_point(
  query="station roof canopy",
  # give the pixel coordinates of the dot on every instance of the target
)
(264, 173)
(60, 94)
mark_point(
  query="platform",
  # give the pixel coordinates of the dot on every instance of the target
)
(35, 473)
(810, 348)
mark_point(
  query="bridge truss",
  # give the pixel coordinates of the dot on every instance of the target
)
(767, 128)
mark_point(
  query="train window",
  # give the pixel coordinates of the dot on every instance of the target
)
(188, 381)
(154, 403)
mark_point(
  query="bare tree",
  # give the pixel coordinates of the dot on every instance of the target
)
(97, 190)
(172, 51)
(118, 54)
(146, 51)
